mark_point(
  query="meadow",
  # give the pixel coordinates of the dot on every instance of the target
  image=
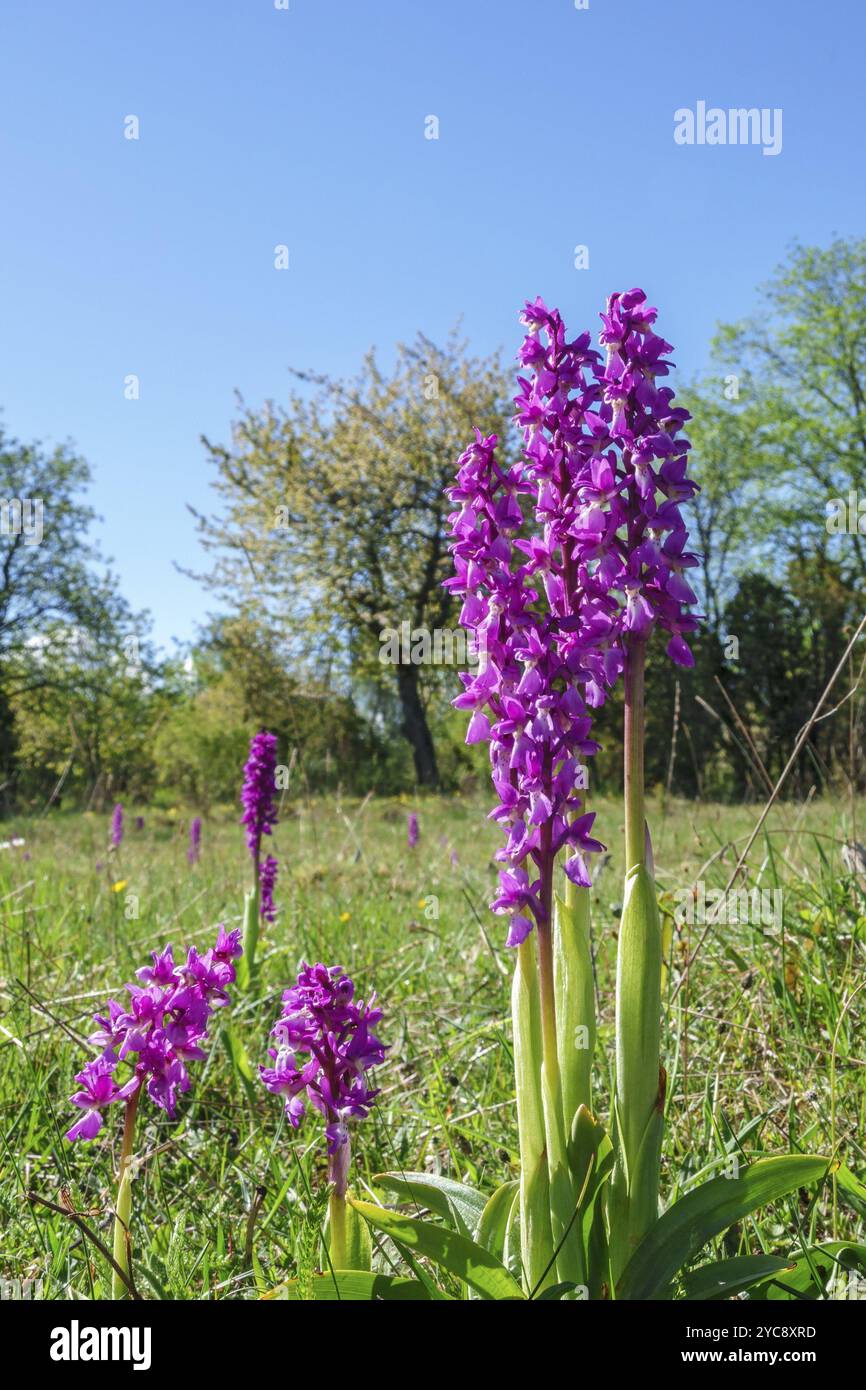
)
(761, 1036)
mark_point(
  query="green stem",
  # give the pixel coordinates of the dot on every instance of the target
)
(252, 919)
(337, 1244)
(535, 1236)
(635, 812)
(338, 1174)
(561, 1196)
(123, 1205)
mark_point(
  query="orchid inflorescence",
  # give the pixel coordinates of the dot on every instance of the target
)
(322, 1019)
(157, 1032)
(194, 850)
(551, 614)
(260, 814)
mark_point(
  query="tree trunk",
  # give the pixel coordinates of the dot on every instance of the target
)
(414, 727)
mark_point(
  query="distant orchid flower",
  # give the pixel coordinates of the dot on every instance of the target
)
(194, 850)
(325, 1045)
(413, 832)
(267, 882)
(257, 797)
(139, 822)
(117, 826)
(259, 818)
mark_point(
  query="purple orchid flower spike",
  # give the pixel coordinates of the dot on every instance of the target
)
(325, 1045)
(259, 818)
(565, 561)
(152, 1038)
(257, 797)
(159, 1030)
(194, 850)
(267, 882)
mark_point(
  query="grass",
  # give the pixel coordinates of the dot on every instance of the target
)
(761, 1034)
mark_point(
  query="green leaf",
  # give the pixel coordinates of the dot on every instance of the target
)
(512, 1255)
(575, 999)
(449, 1250)
(348, 1235)
(695, 1219)
(536, 1238)
(808, 1275)
(726, 1277)
(353, 1286)
(528, 1054)
(852, 1188)
(493, 1222)
(591, 1155)
(246, 967)
(536, 1247)
(639, 1080)
(461, 1206)
(556, 1292)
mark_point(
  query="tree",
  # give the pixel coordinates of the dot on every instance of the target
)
(66, 635)
(237, 685)
(333, 520)
(727, 442)
(87, 728)
(805, 354)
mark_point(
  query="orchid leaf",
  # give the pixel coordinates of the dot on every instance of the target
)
(512, 1255)
(575, 998)
(536, 1247)
(450, 1250)
(639, 1080)
(705, 1212)
(460, 1206)
(809, 1275)
(723, 1278)
(359, 1246)
(352, 1286)
(853, 1190)
(554, 1293)
(528, 1055)
(493, 1223)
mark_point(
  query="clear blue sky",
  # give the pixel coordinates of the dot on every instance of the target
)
(260, 126)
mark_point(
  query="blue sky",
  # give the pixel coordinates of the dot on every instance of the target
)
(305, 127)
